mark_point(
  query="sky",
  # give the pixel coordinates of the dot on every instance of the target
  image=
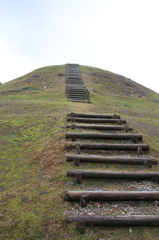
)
(116, 35)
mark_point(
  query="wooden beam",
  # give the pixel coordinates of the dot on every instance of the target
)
(114, 136)
(100, 127)
(89, 115)
(118, 147)
(113, 175)
(122, 160)
(117, 220)
(97, 120)
(113, 195)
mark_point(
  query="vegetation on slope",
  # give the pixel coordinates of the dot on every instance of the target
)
(33, 163)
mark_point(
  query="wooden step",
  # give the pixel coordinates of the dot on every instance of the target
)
(72, 70)
(77, 93)
(116, 147)
(75, 74)
(112, 195)
(97, 120)
(119, 160)
(91, 115)
(115, 136)
(73, 77)
(106, 220)
(75, 86)
(100, 127)
(79, 174)
(78, 97)
(77, 90)
(74, 81)
(84, 101)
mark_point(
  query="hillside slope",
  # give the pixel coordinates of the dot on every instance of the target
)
(32, 127)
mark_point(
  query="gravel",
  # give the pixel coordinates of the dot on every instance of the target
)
(141, 208)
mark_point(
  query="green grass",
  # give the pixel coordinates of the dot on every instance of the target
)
(33, 162)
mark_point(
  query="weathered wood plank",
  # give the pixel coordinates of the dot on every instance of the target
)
(113, 195)
(114, 136)
(89, 115)
(118, 147)
(114, 175)
(122, 160)
(97, 120)
(117, 220)
(100, 127)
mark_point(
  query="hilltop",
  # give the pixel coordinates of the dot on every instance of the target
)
(32, 128)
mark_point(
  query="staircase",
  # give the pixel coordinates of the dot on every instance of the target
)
(101, 144)
(75, 89)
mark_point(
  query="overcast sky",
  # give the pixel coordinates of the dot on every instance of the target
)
(116, 35)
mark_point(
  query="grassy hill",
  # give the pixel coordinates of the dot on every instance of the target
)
(32, 138)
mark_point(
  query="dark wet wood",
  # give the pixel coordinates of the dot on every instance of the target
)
(97, 120)
(122, 160)
(113, 195)
(114, 136)
(101, 127)
(89, 115)
(113, 175)
(118, 147)
(117, 220)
